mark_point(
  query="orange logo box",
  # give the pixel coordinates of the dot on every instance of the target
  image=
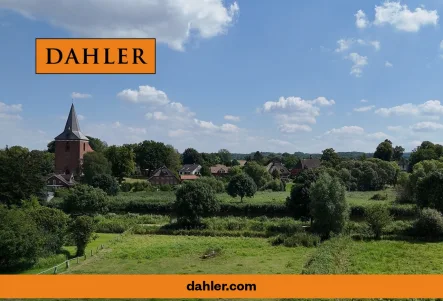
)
(95, 56)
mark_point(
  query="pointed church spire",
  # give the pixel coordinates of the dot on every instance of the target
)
(72, 128)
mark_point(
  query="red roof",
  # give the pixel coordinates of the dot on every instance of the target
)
(188, 177)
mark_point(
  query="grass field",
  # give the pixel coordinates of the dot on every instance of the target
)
(146, 254)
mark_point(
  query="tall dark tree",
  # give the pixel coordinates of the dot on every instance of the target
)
(122, 161)
(152, 155)
(241, 185)
(51, 147)
(96, 144)
(331, 157)
(384, 151)
(258, 157)
(426, 151)
(94, 164)
(191, 156)
(225, 156)
(398, 153)
(173, 160)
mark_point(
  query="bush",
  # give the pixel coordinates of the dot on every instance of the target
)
(329, 207)
(298, 202)
(429, 224)
(379, 197)
(86, 200)
(107, 183)
(217, 185)
(195, 200)
(126, 187)
(377, 217)
(301, 239)
(274, 185)
(166, 188)
(142, 186)
(241, 185)
(61, 193)
(430, 191)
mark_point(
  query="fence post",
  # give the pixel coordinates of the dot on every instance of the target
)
(91, 252)
(55, 270)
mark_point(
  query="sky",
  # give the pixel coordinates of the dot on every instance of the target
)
(244, 75)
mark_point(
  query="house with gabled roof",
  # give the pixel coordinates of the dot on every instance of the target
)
(283, 171)
(163, 176)
(190, 169)
(219, 170)
(56, 181)
(304, 164)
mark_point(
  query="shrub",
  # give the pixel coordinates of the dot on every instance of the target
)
(126, 187)
(195, 200)
(429, 224)
(379, 197)
(302, 239)
(275, 185)
(377, 217)
(329, 207)
(217, 185)
(430, 191)
(106, 182)
(298, 202)
(241, 185)
(142, 186)
(81, 230)
(166, 188)
(61, 193)
(86, 200)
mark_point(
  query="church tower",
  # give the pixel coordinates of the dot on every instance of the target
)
(70, 146)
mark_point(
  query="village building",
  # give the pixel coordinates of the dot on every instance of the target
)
(70, 147)
(164, 176)
(305, 164)
(219, 170)
(283, 171)
(190, 169)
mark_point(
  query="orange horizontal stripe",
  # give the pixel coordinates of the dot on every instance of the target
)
(267, 286)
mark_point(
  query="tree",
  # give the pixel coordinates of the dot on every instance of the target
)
(398, 153)
(298, 202)
(241, 185)
(225, 156)
(384, 151)
(258, 173)
(430, 191)
(152, 155)
(205, 171)
(46, 161)
(96, 144)
(290, 161)
(429, 223)
(258, 157)
(122, 161)
(20, 175)
(105, 182)
(95, 163)
(331, 157)
(51, 147)
(328, 205)
(20, 238)
(377, 217)
(85, 200)
(235, 163)
(81, 230)
(195, 200)
(426, 151)
(191, 156)
(173, 160)
(235, 170)
(275, 174)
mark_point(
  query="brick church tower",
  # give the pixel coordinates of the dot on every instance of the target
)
(70, 146)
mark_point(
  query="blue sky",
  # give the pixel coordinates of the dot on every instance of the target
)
(247, 75)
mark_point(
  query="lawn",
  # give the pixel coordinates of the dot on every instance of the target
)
(363, 198)
(158, 254)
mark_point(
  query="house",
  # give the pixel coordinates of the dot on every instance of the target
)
(190, 169)
(163, 176)
(284, 172)
(188, 177)
(219, 170)
(305, 164)
(70, 147)
(56, 181)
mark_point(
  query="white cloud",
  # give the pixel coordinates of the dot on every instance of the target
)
(6, 110)
(280, 142)
(209, 126)
(144, 94)
(426, 126)
(361, 21)
(441, 45)
(346, 44)
(378, 136)
(232, 118)
(77, 95)
(346, 130)
(359, 62)
(177, 133)
(401, 18)
(364, 109)
(388, 64)
(156, 116)
(171, 22)
(430, 107)
(363, 100)
(293, 128)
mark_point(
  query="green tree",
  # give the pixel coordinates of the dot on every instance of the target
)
(51, 147)
(275, 174)
(225, 157)
(426, 151)
(298, 202)
(173, 160)
(21, 175)
(151, 155)
(429, 224)
(95, 163)
(122, 159)
(430, 191)
(258, 173)
(85, 200)
(235, 163)
(328, 205)
(258, 157)
(195, 200)
(398, 153)
(378, 218)
(107, 183)
(235, 170)
(330, 156)
(46, 161)
(81, 230)
(96, 144)
(205, 171)
(290, 161)
(241, 185)
(191, 156)
(384, 151)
